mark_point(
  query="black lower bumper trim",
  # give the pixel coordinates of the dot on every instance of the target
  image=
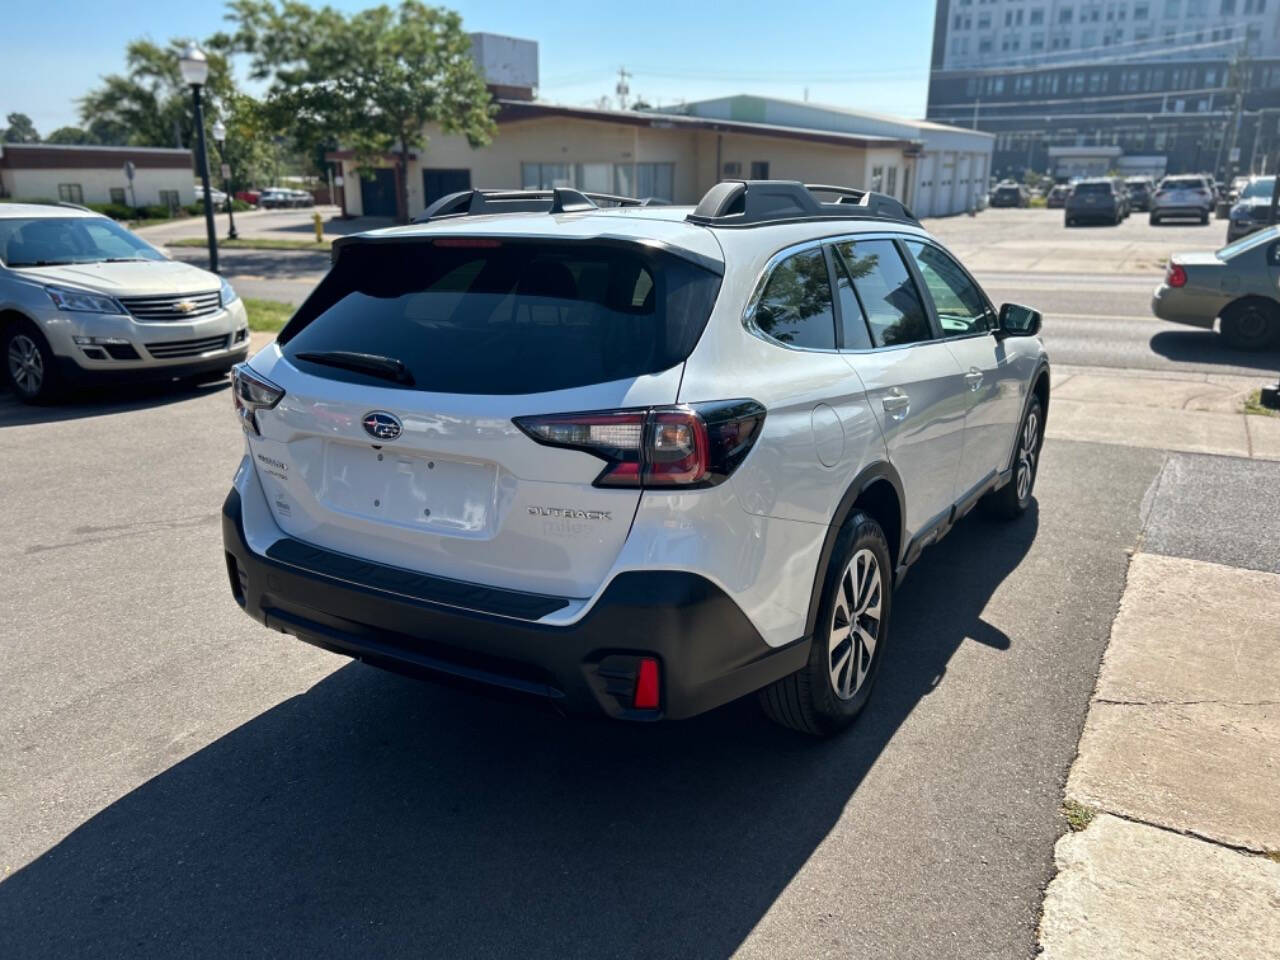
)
(709, 652)
(72, 372)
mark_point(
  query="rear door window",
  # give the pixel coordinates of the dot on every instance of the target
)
(895, 313)
(488, 316)
(795, 307)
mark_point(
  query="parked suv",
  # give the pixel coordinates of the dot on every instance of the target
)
(1252, 210)
(639, 460)
(1094, 200)
(1010, 194)
(83, 299)
(1140, 191)
(1182, 197)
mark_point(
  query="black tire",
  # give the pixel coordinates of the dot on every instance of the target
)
(1153, 220)
(1251, 324)
(1012, 500)
(1204, 219)
(1070, 222)
(29, 367)
(808, 700)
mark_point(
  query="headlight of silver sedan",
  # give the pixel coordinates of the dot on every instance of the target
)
(82, 301)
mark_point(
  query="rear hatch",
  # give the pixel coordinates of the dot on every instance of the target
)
(415, 461)
(1183, 193)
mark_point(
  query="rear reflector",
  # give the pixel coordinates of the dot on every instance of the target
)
(698, 445)
(646, 696)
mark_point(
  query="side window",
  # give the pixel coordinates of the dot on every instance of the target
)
(960, 305)
(795, 307)
(853, 325)
(893, 308)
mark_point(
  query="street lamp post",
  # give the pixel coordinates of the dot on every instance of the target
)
(195, 71)
(220, 135)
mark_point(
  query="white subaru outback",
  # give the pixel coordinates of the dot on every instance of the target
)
(625, 458)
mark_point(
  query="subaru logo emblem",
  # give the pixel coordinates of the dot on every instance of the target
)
(381, 425)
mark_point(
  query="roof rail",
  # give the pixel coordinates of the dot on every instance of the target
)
(748, 203)
(471, 203)
(74, 206)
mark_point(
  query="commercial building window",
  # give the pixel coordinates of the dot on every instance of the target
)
(645, 180)
(1228, 7)
(1141, 11)
(1037, 41)
(1172, 9)
(70, 193)
(984, 45)
(877, 178)
(891, 181)
(595, 177)
(1065, 14)
(1089, 39)
(169, 198)
(1037, 16)
(759, 169)
(984, 21)
(544, 176)
(117, 195)
(732, 170)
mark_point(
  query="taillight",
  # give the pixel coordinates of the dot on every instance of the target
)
(252, 393)
(1175, 276)
(688, 446)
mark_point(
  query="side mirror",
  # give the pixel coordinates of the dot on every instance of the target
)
(1018, 321)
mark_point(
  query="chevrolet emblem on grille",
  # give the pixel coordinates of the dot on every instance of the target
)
(184, 306)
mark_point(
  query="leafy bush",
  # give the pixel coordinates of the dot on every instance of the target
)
(116, 211)
(154, 211)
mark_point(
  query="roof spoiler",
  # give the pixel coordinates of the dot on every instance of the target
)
(472, 203)
(747, 203)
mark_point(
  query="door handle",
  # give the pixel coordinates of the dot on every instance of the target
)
(896, 403)
(973, 378)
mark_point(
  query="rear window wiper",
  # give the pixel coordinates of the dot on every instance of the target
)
(375, 365)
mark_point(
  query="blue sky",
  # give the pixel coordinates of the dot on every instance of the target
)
(856, 53)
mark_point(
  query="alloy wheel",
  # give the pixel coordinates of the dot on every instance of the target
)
(1027, 449)
(26, 365)
(855, 624)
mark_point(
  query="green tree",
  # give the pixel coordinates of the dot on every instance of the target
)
(20, 129)
(372, 79)
(150, 101)
(70, 135)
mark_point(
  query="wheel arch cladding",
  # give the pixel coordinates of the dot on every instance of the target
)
(9, 319)
(1041, 390)
(877, 492)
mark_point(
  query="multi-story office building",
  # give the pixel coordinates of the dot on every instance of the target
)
(1085, 86)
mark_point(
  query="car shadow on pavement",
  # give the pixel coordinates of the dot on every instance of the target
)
(378, 816)
(104, 400)
(1206, 346)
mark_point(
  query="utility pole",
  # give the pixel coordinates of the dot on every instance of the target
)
(1239, 74)
(623, 89)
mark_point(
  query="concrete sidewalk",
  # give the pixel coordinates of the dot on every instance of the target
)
(1179, 769)
(1185, 412)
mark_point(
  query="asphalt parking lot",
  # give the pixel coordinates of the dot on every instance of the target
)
(176, 780)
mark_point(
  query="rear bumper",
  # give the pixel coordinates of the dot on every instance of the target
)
(1179, 306)
(1188, 211)
(709, 652)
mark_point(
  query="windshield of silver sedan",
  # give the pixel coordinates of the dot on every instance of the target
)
(55, 241)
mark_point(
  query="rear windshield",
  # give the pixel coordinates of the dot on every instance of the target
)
(505, 318)
(1007, 191)
(1182, 183)
(1082, 188)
